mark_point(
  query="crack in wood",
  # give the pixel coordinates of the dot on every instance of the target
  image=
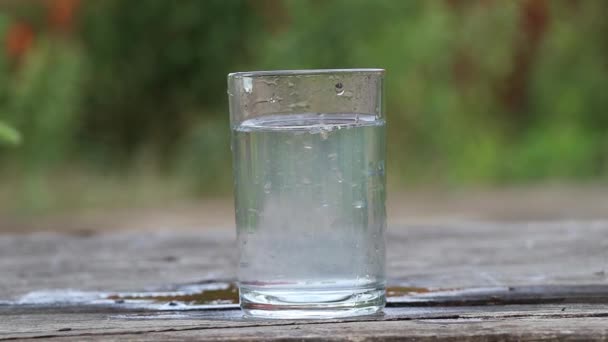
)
(455, 317)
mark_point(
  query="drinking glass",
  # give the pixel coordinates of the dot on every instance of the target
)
(309, 183)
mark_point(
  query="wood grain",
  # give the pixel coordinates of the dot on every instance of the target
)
(501, 321)
(476, 272)
(435, 256)
(528, 329)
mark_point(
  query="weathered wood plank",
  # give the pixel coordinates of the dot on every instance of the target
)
(529, 329)
(199, 324)
(112, 262)
(476, 263)
(436, 256)
(499, 254)
(538, 294)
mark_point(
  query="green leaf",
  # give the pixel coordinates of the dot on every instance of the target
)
(9, 135)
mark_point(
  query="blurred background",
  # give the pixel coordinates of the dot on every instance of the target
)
(107, 105)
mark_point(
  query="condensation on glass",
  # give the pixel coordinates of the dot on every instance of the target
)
(309, 183)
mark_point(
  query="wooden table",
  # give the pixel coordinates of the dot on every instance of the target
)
(474, 281)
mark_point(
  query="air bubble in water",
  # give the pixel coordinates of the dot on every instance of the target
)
(324, 134)
(358, 204)
(339, 176)
(381, 168)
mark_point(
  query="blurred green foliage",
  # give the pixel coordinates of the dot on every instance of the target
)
(478, 92)
(9, 135)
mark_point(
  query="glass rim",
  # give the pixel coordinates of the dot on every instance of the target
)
(297, 72)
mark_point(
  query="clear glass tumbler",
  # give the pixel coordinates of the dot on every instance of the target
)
(309, 181)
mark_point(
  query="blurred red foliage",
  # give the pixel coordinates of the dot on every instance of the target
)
(19, 39)
(20, 36)
(534, 20)
(61, 14)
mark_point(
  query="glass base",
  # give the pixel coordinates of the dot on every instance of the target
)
(311, 304)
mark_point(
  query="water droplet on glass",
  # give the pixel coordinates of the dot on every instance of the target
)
(339, 89)
(270, 81)
(248, 84)
(275, 99)
(267, 187)
(298, 105)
